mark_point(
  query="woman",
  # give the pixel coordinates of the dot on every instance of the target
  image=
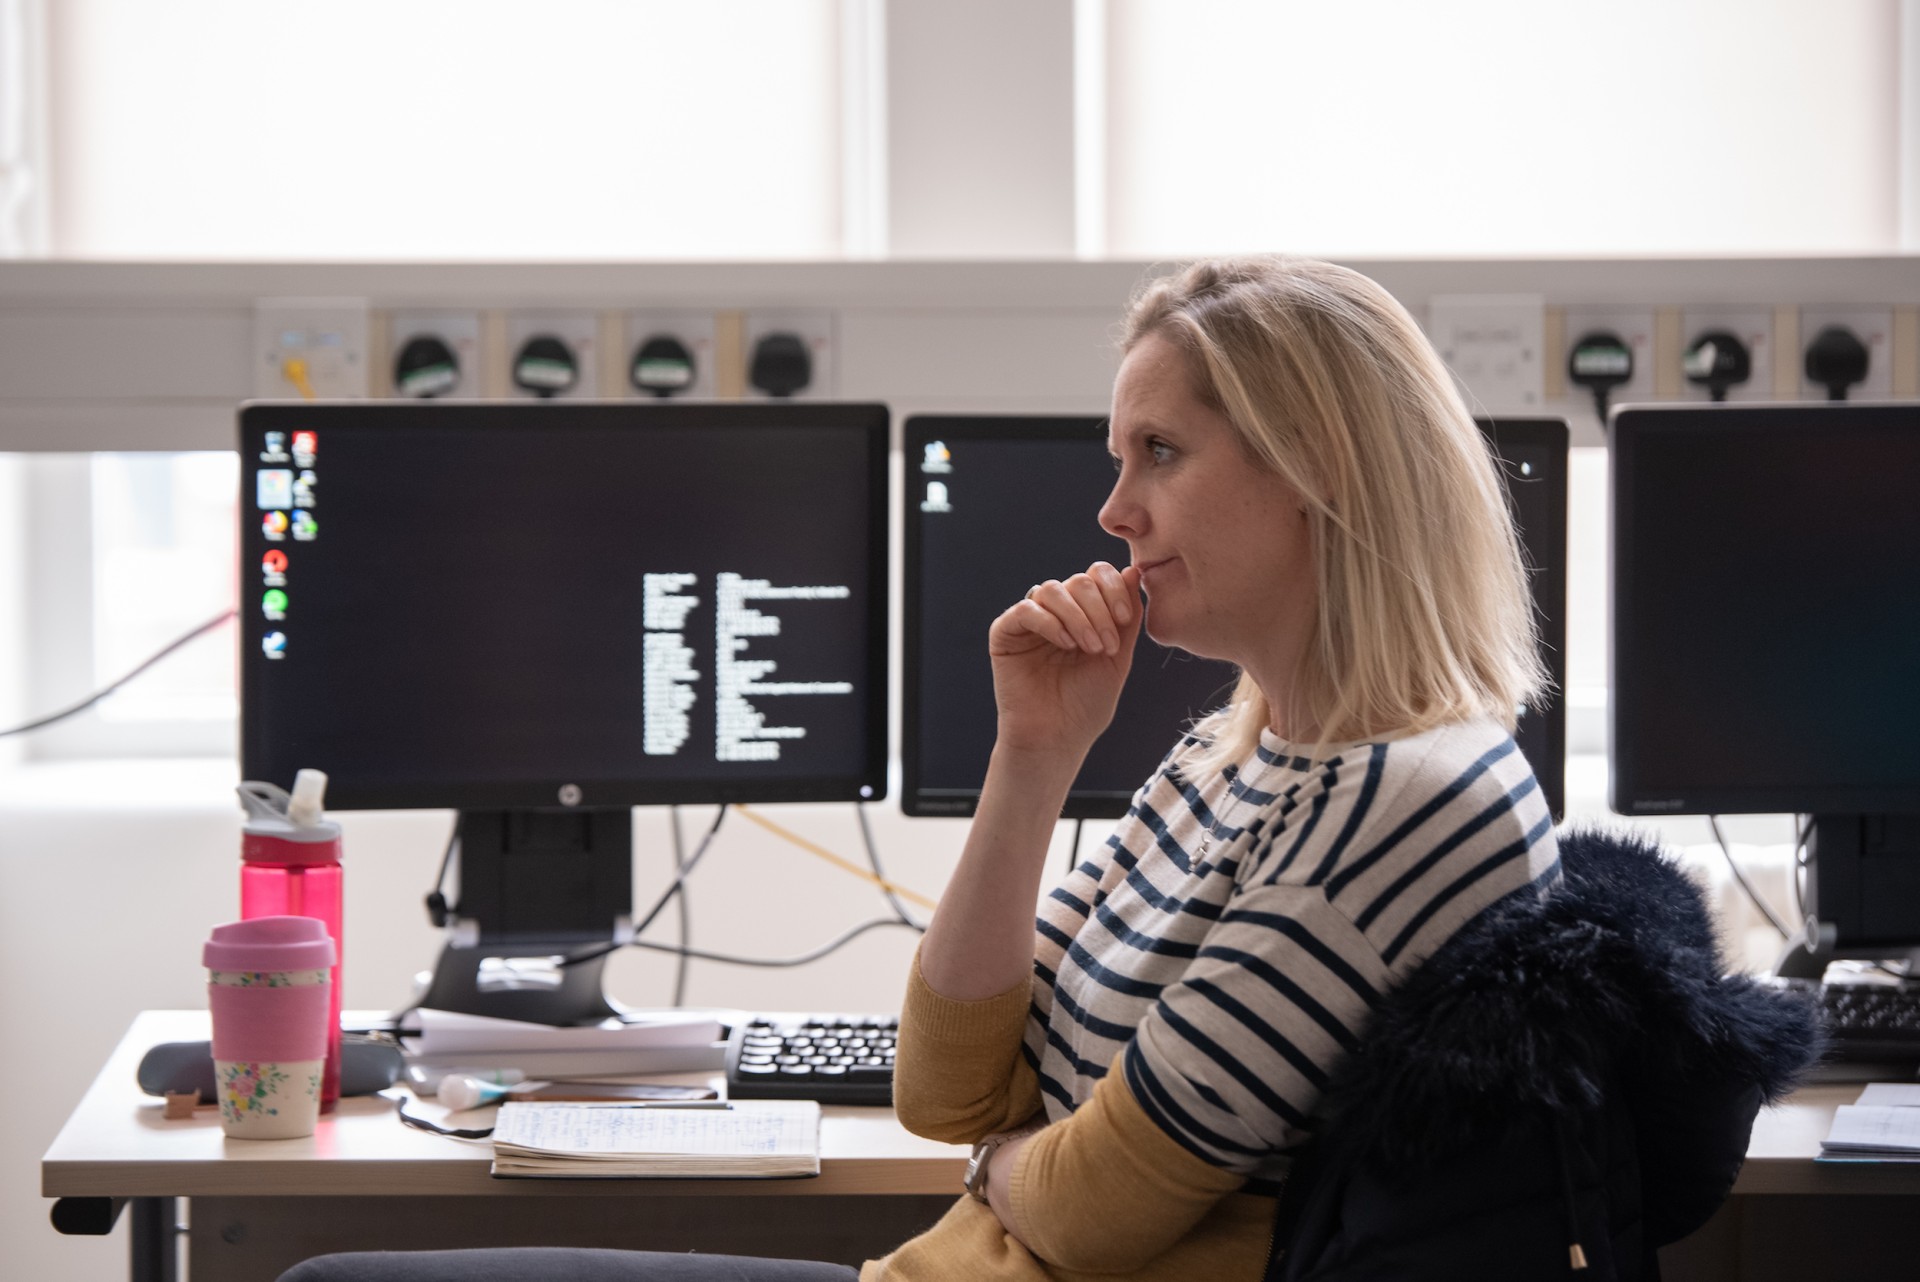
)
(1303, 493)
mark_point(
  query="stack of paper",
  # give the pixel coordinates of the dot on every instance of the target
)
(674, 1041)
(751, 1138)
(1883, 1126)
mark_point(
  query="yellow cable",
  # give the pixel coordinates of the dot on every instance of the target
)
(835, 860)
(296, 371)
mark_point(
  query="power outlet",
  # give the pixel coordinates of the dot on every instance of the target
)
(327, 337)
(692, 330)
(1635, 329)
(814, 329)
(1493, 344)
(1752, 326)
(578, 331)
(460, 331)
(1872, 326)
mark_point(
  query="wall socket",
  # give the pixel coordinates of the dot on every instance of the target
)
(1492, 343)
(327, 335)
(815, 330)
(694, 330)
(1752, 326)
(579, 331)
(458, 330)
(1872, 326)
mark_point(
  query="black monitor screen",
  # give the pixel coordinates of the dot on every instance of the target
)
(995, 504)
(1532, 456)
(1766, 609)
(512, 605)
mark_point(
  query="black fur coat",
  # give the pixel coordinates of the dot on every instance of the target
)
(1573, 1070)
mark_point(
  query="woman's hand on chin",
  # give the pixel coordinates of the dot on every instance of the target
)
(1060, 657)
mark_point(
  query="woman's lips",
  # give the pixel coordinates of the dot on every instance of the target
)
(1148, 567)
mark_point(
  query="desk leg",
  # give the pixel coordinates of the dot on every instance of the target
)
(155, 1241)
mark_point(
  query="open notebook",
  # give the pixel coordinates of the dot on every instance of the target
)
(743, 1138)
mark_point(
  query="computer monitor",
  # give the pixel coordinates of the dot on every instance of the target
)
(1766, 634)
(541, 615)
(995, 504)
(1531, 454)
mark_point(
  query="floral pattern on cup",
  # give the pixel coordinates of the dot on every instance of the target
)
(249, 1090)
(268, 978)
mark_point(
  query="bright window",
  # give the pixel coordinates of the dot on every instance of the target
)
(445, 129)
(1501, 127)
(164, 548)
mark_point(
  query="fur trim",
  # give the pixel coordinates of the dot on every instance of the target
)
(1548, 1000)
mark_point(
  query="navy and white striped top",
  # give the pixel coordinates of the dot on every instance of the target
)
(1236, 932)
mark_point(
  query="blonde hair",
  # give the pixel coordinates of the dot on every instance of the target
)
(1423, 614)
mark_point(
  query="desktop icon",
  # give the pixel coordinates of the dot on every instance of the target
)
(305, 446)
(274, 526)
(273, 487)
(276, 448)
(936, 457)
(274, 645)
(273, 568)
(273, 605)
(303, 489)
(305, 528)
(936, 500)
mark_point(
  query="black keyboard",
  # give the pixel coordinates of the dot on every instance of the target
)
(1871, 1021)
(836, 1059)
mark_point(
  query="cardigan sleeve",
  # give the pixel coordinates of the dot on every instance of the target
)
(1106, 1189)
(960, 1071)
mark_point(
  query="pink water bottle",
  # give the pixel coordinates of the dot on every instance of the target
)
(290, 867)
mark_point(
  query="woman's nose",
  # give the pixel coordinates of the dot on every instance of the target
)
(1120, 515)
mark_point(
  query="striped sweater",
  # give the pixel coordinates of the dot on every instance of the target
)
(1231, 939)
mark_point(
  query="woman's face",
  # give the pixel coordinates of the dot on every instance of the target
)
(1221, 542)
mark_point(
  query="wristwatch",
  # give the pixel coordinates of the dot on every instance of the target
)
(983, 1151)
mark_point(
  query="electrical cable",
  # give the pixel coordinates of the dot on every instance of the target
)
(659, 905)
(439, 912)
(92, 699)
(684, 911)
(1766, 909)
(845, 865)
(1803, 828)
(879, 873)
(802, 960)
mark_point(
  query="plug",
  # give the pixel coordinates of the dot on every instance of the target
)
(781, 364)
(1837, 359)
(1717, 361)
(545, 366)
(663, 366)
(1600, 362)
(426, 367)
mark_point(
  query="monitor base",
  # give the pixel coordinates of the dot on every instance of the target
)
(522, 980)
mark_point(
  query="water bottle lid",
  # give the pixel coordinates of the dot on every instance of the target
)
(269, 943)
(267, 805)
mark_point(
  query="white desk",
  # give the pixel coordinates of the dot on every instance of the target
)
(364, 1180)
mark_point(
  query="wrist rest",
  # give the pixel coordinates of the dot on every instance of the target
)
(366, 1068)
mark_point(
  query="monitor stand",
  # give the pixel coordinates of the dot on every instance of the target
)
(1863, 894)
(536, 886)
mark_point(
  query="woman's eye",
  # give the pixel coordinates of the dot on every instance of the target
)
(1160, 450)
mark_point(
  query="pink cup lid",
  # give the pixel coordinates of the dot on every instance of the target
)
(269, 943)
